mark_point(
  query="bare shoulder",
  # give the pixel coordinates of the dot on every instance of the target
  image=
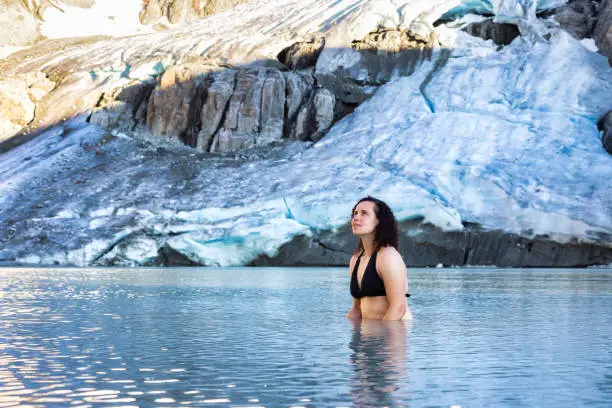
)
(392, 270)
(390, 258)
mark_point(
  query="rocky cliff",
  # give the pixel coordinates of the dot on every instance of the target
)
(603, 29)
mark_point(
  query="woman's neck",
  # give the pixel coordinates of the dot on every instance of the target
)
(367, 242)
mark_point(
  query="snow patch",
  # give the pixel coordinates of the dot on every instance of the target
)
(106, 17)
(589, 44)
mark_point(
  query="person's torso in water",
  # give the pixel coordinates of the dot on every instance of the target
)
(368, 287)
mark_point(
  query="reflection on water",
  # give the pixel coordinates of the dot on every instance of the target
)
(379, 360)
(277, 337)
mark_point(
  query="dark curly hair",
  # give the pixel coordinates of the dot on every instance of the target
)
(386, 233)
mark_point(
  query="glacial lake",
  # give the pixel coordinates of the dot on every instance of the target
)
(277, 337)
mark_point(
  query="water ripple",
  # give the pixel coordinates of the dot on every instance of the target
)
(278, 337)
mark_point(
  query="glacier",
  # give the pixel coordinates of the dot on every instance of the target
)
(504, 138)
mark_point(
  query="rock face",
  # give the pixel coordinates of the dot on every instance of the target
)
(179, 11)
(315, 116)
(422, 245)
(124, 108)
(500, 33)
(255, 111)
(377, 58)
(168, 111)
(605, 126)
(578, 17)
(220, 88)
(388, 51)
(19, 95)
(221, 110)
(603, 30)
(302, 54)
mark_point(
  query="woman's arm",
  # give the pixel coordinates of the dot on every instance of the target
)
(393, 273)
(355, 312)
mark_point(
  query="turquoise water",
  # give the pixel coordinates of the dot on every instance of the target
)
(277, 337)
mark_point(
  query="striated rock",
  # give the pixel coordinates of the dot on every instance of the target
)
(255, 114)
(272, 115)
(218, 95)
(500, 33)
(603, 29)
(315, 117)
(578, 17)
(168, 112)
(123, 108)
(605, 126)
(298, 88)
(221, 110)
(18, 97)
(323, 102)
(298, 92)
(302, 54)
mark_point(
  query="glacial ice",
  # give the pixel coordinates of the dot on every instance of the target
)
(506, 139)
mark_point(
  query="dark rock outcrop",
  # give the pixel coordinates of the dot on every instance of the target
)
(382, 55)
(221, 110)
(170, 104)
(603, 29)
(500, 33)
(302, 54)
(605, 126)
(218, 94)
(255, 111)
(386, 52)
(578, 17)
(315, 116)
(423, 245)
(123, 108)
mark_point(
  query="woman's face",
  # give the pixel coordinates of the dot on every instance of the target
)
(364, 220)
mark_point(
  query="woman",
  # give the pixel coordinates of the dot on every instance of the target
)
(378, 274)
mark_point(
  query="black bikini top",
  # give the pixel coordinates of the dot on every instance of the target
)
(371, 283)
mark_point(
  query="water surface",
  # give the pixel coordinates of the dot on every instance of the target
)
(277, 337)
